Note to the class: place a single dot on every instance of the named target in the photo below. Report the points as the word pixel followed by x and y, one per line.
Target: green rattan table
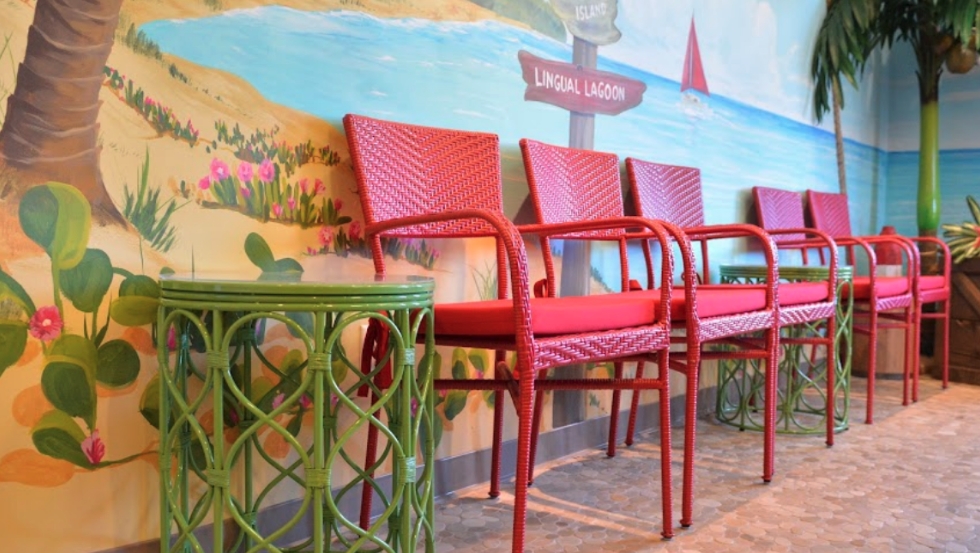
pixel 802 385
pixel 272 445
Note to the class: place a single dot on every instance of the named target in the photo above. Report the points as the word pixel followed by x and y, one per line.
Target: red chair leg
pixel 831 377
pixel 909 367
pixel 535 432
pixel 916 360
pixel 498 436
pixel 690 429
pixel 665 441
pixel 634 408
pixel 614 413
pixel 872 364
pixel 525 416
pixel 769 410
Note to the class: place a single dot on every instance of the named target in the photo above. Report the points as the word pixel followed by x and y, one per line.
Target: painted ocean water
pixel 466 75
pixel 959 173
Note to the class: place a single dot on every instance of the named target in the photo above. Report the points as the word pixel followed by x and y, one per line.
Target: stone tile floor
pixel 909 482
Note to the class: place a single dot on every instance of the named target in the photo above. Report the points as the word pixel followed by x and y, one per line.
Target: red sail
pixel 693 70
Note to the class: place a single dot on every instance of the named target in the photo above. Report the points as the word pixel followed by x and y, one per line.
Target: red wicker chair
pixel 566 186
pixel 569 184
pixel 673 193
pixel 427 182
pixel 876 298
pixel 780 213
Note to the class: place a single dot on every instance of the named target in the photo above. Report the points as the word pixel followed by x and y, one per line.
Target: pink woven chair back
pixel 829 213
pixel 404 170
pixel 569 185
pixel 670 193
pixel 779 209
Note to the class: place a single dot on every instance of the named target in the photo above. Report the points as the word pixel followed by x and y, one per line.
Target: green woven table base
pixel 230 413
pixel 802 381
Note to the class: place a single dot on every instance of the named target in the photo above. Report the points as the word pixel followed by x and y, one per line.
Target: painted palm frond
pixel 964 239
pixel 846 38
pixel 853 29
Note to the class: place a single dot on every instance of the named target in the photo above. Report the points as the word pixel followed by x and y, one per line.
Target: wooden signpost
pixel 584 91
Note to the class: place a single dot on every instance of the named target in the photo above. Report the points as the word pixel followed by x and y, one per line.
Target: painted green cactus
pixel 964 239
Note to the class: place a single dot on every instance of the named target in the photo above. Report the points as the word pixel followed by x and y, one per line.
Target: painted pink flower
pixel 246 193
pixel 311 251
pixel 205 182
pixel 267 171
pixel 318 187
pixel 46 323
pixel 291 202
pixel 277 401
pixel 415 406
pixel 148 102
pixel 337 204
pixel 219 169
pixel 277 210
pixel 304 185
pixel 354 231
pixel 305 401
pixel 325 236
pixel 171 339
pixel 93 447
pixel 245 171
pixel 232 417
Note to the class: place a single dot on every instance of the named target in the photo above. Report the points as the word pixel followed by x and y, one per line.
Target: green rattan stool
pixel 216 417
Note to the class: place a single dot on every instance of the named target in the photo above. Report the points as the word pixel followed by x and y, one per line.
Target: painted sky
pixel 745 55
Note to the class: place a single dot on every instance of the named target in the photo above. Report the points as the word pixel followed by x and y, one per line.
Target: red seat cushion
pixel 887 287
pixel 716 300
pixel 931 282
pixel 549 316
pixel 572 315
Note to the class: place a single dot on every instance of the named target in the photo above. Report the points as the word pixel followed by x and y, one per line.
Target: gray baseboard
pixel 462 471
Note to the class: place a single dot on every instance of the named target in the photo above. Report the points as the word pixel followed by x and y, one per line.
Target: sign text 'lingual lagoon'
pixel 578 89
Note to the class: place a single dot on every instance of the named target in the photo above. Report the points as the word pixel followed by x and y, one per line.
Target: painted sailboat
pixel 694 85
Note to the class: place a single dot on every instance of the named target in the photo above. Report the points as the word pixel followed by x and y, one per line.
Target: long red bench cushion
pixel 573 315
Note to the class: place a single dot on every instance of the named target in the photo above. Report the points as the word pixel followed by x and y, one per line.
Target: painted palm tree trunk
pixel 51 129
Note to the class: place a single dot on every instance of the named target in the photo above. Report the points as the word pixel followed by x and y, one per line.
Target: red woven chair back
pixel 670 193
pixel 404 170
pixel 829 213
pixel 778 209
pixel 570 185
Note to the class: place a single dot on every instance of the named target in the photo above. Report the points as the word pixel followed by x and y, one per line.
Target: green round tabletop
pixel 299 284
pixel 789 272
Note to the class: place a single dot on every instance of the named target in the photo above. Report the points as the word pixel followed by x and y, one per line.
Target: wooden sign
pixel 590 20
pixel 576 88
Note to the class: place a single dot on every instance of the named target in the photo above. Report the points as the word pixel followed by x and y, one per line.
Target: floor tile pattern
pixel 909 482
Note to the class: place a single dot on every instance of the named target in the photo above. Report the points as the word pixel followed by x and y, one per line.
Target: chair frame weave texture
pixel 780 213
pixel 672 193
pixel 427 182
pixel 829 212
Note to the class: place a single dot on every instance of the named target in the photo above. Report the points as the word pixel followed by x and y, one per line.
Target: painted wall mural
pixel 175 135
pixel 959 142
